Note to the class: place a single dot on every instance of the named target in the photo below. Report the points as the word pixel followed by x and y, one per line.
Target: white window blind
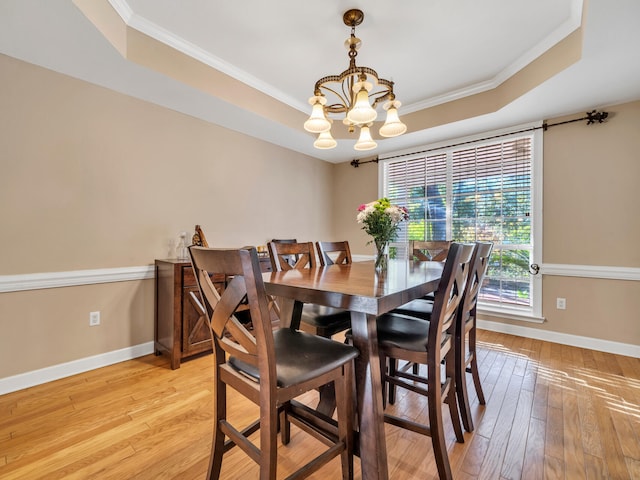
pixel 477 192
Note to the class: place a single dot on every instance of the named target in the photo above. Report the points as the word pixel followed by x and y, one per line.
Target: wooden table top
pixel 357 287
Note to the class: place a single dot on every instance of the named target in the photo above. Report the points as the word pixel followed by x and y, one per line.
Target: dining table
pixel 367 293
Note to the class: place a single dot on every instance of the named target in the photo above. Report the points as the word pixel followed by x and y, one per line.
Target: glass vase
pixel 382 255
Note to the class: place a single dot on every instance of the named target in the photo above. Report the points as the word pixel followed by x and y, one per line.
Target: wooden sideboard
pixel 180 330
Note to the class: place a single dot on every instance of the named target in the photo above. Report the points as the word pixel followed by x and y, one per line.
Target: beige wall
pixel 590 209
pixel 94 179
pixel 353 187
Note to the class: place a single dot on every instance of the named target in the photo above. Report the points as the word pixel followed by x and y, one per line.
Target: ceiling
pixel 440 54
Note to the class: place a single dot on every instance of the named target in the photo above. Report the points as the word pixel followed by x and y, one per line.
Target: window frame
pixel 532 313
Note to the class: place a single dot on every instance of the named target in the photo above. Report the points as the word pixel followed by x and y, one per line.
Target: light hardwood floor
pixel 552 412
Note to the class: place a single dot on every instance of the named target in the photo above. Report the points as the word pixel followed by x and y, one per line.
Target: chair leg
pixel 435 423
pixel 451 368
pixel 383 372
pixel 474 364
pixel 393 368
pixel 345 413
pixel 268 441
pixel 217 445
pixel 461 381
pixel 285 427
pixel 455 415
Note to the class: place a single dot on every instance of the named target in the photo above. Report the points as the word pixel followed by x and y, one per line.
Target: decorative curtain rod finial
pixel 355 163
pixel 594 116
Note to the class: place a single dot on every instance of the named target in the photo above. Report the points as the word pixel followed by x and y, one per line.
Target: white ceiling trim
pixel 166 37
pixel 565 29
pixel 123 9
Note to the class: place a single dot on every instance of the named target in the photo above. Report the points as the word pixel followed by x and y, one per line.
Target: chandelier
pixel 352 94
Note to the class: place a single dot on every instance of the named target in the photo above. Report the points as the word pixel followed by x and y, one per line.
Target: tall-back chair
pixel 421 251
pixel 265 366
pixel 430 343
pixel 429 250
pixel 330 253
pixel 466 360
pixel 291 259
pixel 318 319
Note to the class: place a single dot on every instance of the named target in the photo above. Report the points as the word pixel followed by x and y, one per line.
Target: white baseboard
pixel 562 338
pixel 55 372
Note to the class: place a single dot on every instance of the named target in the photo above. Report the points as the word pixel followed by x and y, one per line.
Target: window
pixel 477 191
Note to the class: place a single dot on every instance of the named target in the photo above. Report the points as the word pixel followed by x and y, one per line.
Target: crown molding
pixel 573 23
pixel 166 37
pixel 155 31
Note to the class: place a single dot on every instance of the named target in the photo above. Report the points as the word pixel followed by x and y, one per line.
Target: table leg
pixel 373 450
pixel 290 312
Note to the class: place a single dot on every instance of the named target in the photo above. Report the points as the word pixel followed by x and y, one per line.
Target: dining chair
pixel 292 259
pixel 465 342
pixel 318 319
pixel 466 356
pixel 429 250
pixel 429 343
pixel 330 253
pixel 265 367
pixel 421 251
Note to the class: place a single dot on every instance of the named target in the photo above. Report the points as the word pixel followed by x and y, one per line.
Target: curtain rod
pixel 592 117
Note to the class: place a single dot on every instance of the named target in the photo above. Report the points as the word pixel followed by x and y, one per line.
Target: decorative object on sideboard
pixel 181 249
pixel 198 238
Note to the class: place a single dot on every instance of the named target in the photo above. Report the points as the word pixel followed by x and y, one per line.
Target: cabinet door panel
pixel 196 333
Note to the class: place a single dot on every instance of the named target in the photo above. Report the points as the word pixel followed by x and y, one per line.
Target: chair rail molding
pixel 591 271
pixel 37 281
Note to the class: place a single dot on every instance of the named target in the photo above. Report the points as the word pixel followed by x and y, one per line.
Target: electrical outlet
pixel 561 303
pixel 94 319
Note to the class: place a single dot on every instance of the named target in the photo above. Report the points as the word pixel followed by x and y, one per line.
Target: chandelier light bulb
pixel 325 141
pixel 365 142
pixel 317 122
pixel 392 126
pixel 362 111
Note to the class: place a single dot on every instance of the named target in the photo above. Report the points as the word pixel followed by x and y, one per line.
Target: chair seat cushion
pixel 417 308
pixel 300 357
pixel 403 331
pixel 321 316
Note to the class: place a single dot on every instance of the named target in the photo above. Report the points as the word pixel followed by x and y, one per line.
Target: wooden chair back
pixel 465 352
pixel 434 251
pixel 281 253
pixel 244 286
pixel 476 274
pixel 449 296
pixel 330 253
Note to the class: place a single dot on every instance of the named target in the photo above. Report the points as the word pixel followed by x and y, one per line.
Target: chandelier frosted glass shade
pixel 365 142
pixel 353 95
pixel 392 127
pixel 318 121
pixel 362 112
pixel 325 141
